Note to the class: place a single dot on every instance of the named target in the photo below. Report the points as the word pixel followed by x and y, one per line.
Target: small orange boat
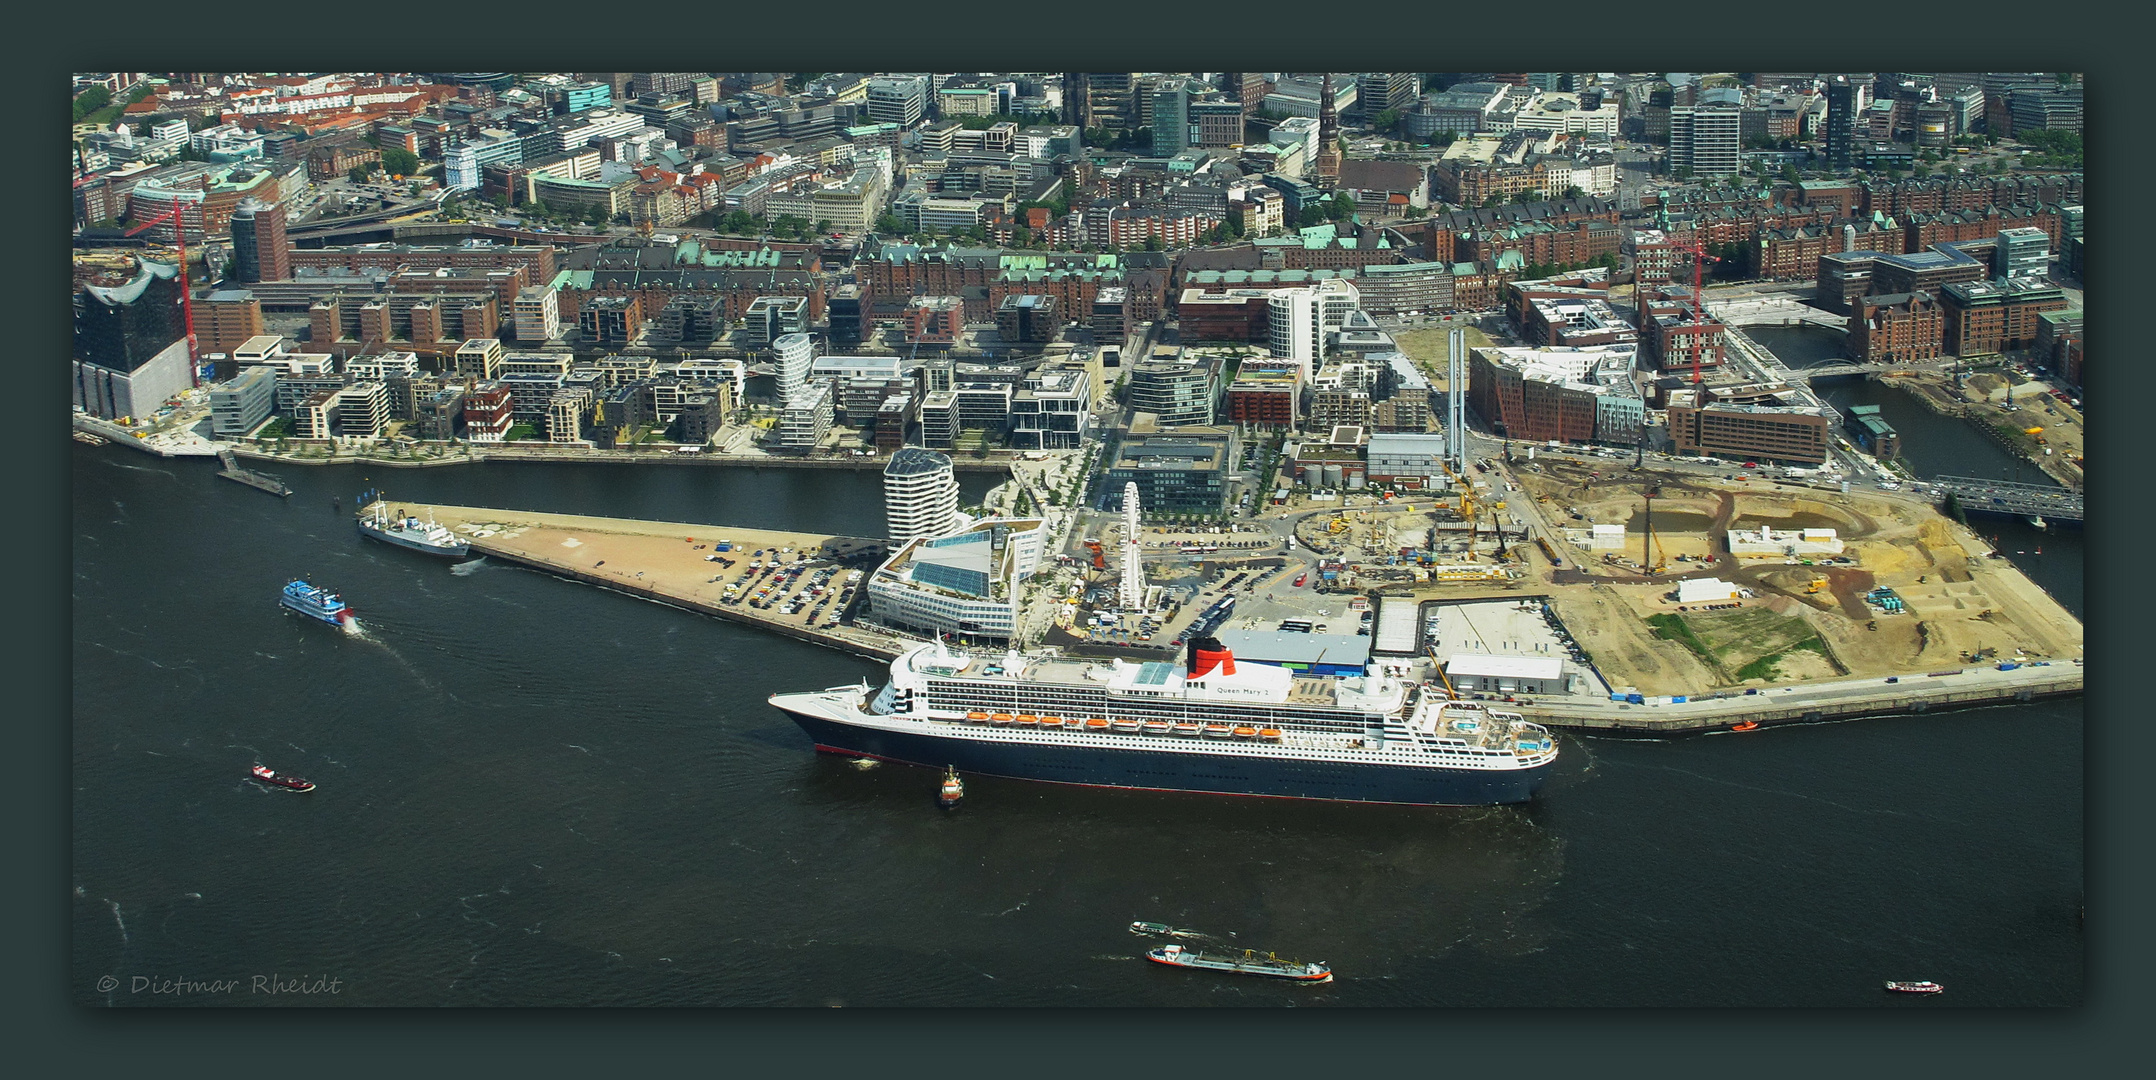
pixel 1246 732
pixel 1002 718
pixel 1028 720
pixel 1269 733
pixel 1748 725
pixel 1096 724
pixel 1051 721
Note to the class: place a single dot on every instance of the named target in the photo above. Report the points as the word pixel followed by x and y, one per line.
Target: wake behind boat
pixel 1249 963
pixel 407 531
pixel 316 603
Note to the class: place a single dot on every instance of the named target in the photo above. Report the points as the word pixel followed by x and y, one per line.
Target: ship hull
pixel 1157 768
pixel 334 618
pixel 407 543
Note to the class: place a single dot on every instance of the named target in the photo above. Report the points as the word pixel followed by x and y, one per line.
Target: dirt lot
pixel 1958 602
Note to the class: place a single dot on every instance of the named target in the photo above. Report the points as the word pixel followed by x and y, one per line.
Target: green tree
pixel 400 162
pixel 91 100
pixel 1385 121
pixel 1313 214
pixel 1021 236
pixel 888 224
pixel 1341 206
pixel 824 227
pixel 1572 191
pixel 358 173
pixel 1152 242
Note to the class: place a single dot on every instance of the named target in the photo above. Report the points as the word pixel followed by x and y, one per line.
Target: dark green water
pixel 535 792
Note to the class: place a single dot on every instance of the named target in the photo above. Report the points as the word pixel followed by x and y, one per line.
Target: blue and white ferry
pixel 316 602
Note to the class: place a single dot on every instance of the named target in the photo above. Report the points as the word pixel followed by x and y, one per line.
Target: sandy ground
pixel 1959 601
pixel 667 558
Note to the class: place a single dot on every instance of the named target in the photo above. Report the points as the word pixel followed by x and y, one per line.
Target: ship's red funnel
pixel 1206 654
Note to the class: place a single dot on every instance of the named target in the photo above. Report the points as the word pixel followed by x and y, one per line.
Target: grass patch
pixel 1674 628
pixel 1767 667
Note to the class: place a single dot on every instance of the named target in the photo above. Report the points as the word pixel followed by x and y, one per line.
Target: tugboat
pixel 1923 987
pixel 1250 963
pixel 409 532
pixel 952 791
pixel 316 602
pixel 289 783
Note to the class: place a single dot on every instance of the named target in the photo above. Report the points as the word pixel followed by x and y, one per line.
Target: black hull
pixel 1149 769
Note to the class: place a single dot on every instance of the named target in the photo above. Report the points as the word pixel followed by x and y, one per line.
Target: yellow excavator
pixel 1817 584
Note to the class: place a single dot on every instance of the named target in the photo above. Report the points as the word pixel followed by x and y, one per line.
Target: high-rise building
pixel 538 313
pixel 1705 139
pixel 902 101
pixel 1301 317
pixel 1841 120
pixel 131 348
pixel 796 353
pixel 920 496
pixel 1171 117
pixel 260 251
pixel 2023 253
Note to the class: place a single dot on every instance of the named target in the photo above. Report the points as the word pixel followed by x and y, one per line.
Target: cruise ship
pixel 1208 725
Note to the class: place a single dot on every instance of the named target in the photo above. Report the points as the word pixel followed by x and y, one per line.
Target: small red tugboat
pixel 290 783
pixel 953 789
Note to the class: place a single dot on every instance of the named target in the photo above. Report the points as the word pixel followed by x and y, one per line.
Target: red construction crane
pixel 1699 314
pixel 187 300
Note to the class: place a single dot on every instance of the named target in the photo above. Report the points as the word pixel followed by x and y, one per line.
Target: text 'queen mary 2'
pixel 1209 725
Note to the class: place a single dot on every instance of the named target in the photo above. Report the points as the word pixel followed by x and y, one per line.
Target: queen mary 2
pixel 1208 725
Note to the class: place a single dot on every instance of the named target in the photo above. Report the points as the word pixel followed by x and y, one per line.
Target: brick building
pixel 1983 317
pixel 1896 328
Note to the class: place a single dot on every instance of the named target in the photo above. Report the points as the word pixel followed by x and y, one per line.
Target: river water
pixel 533 792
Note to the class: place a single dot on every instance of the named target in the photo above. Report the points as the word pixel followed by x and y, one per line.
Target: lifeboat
pixel 1096 724
pixel 977 717
pixel 1246 733
pixel 1217 731
pixel 1051 721
pixel 1186 729
pixel 1002 719
pixel 1028 720
pixel 1748 725
pixel 1127 727
pixel 1156 727
pixel 1271 734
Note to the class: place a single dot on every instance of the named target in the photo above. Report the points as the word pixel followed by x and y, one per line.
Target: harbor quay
pixel 670 563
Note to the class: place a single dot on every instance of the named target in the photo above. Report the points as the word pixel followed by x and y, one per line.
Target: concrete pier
pixel 664 562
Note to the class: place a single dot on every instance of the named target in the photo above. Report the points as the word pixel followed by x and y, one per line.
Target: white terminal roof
pixel 1505 667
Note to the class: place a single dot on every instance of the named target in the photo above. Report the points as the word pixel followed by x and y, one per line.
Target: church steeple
pixel 1328 137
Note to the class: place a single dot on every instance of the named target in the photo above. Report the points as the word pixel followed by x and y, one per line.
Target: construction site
pixel 1680 585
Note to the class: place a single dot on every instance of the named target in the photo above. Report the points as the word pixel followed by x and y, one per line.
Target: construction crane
pixel 1699 312
pixel 187 301
pixel 1467 502
pixel 1650 548
pixel 1441 677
